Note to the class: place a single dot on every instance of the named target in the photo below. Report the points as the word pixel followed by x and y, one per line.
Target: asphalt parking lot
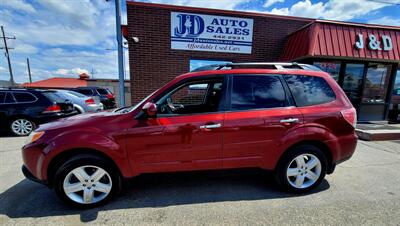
pixel 364 190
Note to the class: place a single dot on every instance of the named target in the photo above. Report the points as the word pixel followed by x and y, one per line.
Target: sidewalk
pixel 378 131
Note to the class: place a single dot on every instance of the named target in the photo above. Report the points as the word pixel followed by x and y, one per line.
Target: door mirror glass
pixel 150 109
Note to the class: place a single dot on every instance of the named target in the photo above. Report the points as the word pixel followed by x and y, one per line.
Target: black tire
pixel 14 120
pixel 283 164
pixel 86 160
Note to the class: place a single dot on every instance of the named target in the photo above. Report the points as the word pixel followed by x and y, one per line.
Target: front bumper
pixel 31 177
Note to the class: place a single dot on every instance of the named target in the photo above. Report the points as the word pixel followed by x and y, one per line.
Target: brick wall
pixel 153 63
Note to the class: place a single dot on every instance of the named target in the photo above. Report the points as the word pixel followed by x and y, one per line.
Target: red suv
pixel 285 117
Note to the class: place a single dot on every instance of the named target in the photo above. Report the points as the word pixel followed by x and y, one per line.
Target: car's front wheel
pixel 87 181
pixel 301 169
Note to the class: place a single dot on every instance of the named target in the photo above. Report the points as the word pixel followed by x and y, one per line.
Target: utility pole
pixel 29 70
pixel 92 73
pixel 120 55
pixel 8 55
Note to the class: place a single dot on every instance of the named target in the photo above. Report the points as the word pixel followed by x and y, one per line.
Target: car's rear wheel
pixel 87 181
pixel 301 169
pixel 21 126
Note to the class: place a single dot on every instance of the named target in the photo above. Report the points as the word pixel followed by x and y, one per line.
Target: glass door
pixel 375 92
pixel 352 83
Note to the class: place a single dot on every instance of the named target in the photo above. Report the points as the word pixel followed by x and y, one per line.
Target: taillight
pixel 350 115
pixel 110 95
pixel 53 109
pixel 89 101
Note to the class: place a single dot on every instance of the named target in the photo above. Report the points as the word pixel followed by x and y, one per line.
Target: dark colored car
pixel 21 110
pixel 107 98
pixel 286 117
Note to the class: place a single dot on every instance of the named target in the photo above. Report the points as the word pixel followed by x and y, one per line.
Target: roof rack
pixel 268 65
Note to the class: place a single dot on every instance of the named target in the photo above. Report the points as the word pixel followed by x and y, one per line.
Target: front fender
pixel 112 146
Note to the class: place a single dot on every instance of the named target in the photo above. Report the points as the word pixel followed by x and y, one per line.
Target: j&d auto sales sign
pixel 211 33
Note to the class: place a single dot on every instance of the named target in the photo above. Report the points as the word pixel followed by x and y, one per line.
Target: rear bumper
pixel 31 177
pixel 45 118
pixel 343 149
pixel 108 104
pixel 94 107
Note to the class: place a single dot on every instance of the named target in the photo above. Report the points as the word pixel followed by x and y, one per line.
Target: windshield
pixel 131 108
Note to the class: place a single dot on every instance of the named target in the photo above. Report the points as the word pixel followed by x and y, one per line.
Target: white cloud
pixel 71 12
pixel 25 48
pixel 70 72
pixel 269 3
pixel 333 9
pixel 386 21
pixel 19 5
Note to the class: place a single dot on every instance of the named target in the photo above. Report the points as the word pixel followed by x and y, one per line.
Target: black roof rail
pixel 264 65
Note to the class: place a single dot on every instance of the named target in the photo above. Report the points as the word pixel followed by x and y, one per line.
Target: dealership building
pixel 363 58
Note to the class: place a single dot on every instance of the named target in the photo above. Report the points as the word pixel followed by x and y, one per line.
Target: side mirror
pixel 150 109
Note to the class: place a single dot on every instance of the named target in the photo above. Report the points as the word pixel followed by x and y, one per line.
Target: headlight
pixel 34 136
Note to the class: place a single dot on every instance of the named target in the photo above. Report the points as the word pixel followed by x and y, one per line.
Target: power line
pixel 384 2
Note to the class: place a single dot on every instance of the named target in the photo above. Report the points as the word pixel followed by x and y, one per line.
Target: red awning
pixel 338 40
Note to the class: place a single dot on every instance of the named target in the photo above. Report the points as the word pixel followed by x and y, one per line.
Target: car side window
pixel 22 97
pixel 9 98
pixel 2 97
pixel 309 90
pixel 192 98
pixel 256 92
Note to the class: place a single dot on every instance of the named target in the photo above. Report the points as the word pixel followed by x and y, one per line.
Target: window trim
pixel 16 102
pixel 221 107
pixel 288 96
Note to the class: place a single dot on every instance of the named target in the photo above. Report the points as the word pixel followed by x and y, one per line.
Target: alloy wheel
pixel 87 184
pixel 22 127
pixel 303 171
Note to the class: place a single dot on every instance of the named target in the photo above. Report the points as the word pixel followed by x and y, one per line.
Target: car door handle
pixel 211 126
pixel 290 120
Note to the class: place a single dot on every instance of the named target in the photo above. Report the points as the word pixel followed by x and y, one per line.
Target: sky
pixel 63 38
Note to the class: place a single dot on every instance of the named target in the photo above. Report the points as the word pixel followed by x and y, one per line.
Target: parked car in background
pixel 81 102
pixel 285 117
pixel 21 110
pixel 106 97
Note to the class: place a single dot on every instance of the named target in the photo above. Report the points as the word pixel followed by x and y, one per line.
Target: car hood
pixel 80 120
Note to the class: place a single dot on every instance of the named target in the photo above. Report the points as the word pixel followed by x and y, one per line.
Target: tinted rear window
pixel 102 91
pixel 54 97
pixel 254 92
pixel 76 94
pixel 21 97
pixel 309 90
pixel 87 92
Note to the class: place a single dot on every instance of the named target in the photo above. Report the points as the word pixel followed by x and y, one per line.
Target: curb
pixel 378 135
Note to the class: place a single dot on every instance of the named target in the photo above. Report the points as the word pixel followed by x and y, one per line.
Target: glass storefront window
pixel 352 82
pixel 396 88
pixel 394 108
pixel 376 83
pixel 333 68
